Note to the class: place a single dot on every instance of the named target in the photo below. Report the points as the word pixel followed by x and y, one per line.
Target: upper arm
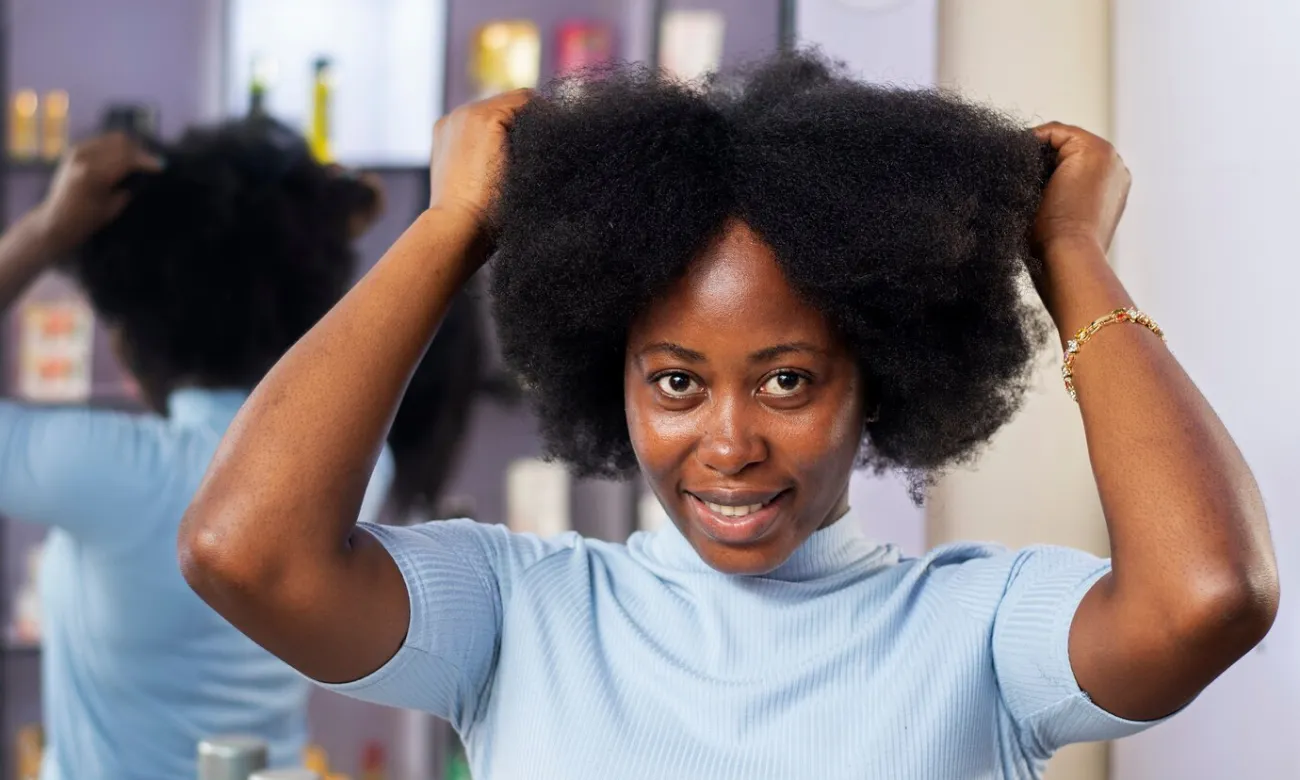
pixel 1033 651
pixel 458 576
pixel 82 470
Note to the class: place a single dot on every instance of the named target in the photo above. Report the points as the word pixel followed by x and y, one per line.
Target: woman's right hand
pixel 469 154
pixel 84 196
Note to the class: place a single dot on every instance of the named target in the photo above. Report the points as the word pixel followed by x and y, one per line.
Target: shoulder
pixel 982 577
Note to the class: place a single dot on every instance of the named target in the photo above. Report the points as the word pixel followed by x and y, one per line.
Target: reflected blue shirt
pixel 136 669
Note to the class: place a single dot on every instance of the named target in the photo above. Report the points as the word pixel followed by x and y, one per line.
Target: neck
pixel 838 511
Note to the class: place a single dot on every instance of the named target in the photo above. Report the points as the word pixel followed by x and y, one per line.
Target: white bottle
pixel 537 497
pixel 231 758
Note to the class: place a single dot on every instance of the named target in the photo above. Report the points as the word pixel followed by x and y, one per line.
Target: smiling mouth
pixel 734 522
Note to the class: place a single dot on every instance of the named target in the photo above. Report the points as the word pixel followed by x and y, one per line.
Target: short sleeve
pixel 1031 652
pixel 459 575
pixel 80 469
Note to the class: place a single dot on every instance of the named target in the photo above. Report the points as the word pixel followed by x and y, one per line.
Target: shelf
pixel 20 650
pixel 12 165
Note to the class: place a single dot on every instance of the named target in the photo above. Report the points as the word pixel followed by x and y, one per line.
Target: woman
pixel 206 262
pixel 742 291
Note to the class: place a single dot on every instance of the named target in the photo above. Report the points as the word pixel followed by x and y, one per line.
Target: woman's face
pixel 745 409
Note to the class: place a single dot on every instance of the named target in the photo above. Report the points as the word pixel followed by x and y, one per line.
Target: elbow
pixel 215 562
pixel 1233 612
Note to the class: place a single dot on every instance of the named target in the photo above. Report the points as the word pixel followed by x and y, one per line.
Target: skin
pixel 737 391
pixel 270 541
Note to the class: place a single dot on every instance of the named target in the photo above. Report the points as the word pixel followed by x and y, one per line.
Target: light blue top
pixel 136 669
pixel 574 659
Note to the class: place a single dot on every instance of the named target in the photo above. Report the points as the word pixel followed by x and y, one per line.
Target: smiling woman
pixel 741 290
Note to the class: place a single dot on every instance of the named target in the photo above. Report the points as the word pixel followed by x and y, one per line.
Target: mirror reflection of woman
pixel 206 262
pixel 741 293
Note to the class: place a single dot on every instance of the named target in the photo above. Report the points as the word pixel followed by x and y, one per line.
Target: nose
pixel 730 442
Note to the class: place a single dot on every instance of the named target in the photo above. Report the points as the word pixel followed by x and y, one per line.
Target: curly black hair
pixel 903 215
pixel 223 260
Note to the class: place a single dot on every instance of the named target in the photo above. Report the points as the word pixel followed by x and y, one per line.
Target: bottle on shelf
pixel 374 762
pixel 232 757
pixel 316 759
pixel 259 86
pixel 583 44
pixel 29 751
pixel 24 138
pixel 54 128
pixel 505 55
pixel 457 763
pixel 25 630
pixel 322 95
pixel 284 774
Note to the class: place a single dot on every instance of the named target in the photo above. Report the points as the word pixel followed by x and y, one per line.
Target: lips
pixel 736 517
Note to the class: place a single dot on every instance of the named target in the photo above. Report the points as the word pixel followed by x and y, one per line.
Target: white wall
pixel 1041 59
pixel 1207 109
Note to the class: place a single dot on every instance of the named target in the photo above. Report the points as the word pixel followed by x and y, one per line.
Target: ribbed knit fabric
pixel 571 659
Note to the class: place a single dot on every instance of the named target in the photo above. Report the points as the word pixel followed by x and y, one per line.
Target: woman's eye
pixel 676 385
pixel 784 383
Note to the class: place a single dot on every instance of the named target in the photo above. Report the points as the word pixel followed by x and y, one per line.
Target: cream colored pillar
pixel 1040 60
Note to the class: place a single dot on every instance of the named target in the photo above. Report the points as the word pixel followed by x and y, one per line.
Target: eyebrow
pixel 765 355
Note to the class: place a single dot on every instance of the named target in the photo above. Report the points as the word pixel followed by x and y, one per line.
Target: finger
pixel 148 162
pixel 1058 134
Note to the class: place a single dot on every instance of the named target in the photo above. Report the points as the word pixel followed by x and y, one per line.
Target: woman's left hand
pixel 1085 198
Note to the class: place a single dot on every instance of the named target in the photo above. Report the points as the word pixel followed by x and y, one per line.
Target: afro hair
pixel 903 215
pixel 224 259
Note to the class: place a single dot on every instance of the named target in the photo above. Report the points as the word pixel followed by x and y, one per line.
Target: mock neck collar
pixel 828 551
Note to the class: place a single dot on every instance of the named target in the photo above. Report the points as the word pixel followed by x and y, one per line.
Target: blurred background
pixel 1200 97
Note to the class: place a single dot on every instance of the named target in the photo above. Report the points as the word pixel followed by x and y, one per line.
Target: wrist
pixel 463 230
pixel 1079 284
pixel 39 237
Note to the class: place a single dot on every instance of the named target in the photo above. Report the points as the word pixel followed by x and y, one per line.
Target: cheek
pixel 660 440
pixel 824 445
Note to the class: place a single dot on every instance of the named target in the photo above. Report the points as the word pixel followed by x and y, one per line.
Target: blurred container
pixel 232 758
pixel 583 44
pixel 29 751
pixel 24 137
pixel 285 774
pixel 137 120
pixel 54 130
pixel 506 55
pixel 320 134
pixel 690 42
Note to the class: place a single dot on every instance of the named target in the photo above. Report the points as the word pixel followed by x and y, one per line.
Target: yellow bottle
pixel 322 94
pixel 24 143
pixel 316 759
pixel 30 745
pixel 54 130
pixel 506 55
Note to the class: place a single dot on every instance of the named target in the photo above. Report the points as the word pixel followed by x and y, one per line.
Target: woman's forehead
pixel 734 292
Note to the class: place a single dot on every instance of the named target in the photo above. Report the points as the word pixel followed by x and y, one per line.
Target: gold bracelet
pixel 1073 346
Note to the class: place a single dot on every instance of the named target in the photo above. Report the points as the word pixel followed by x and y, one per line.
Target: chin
pixel 750 561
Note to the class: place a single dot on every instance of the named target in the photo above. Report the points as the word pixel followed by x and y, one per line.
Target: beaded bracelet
pixel 1073 346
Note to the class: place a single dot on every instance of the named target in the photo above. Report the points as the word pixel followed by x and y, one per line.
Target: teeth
pixel 733 511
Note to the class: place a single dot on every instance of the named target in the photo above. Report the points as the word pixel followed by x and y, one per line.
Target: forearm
pixel 1180 502
pixel 24 254
pixel 1194 577
pixel 292 470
